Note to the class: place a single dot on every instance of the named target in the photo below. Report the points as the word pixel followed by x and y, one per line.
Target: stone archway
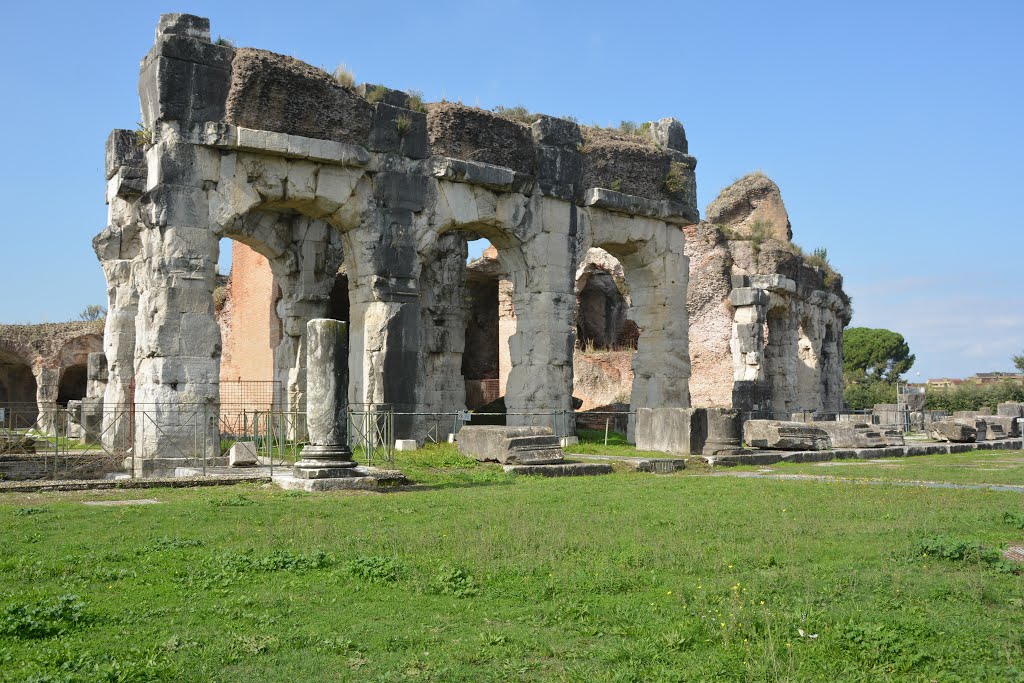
pixel 17 391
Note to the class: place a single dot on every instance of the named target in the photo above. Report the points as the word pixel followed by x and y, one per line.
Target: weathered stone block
pixel 374 93
pixel 949 429
pixel 397 130
pixel 1010 425
pixel 510 445
pixel 669 133
pixel 748 296
pixel 548 130
pixel 851 435
pixel 123 149
pixel 405 444
pixel 1010 409
pixel 785 436
pixel 184 79
pixel 671 430
pixel 724 432
pixel 242 454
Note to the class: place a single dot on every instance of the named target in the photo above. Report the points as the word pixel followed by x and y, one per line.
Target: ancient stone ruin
pixel 358 204
pixel 43 367
pixel 316 177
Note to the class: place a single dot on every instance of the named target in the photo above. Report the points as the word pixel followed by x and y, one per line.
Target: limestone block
pixel 405 444
pixel 785 436
pixel 669 133
pixel 397 130
pixel 1010 409
pixel 242 454
pixel 671 430
pixel 1009 425
pixel 724 432
pixel 510 445
pixel 851 435
pixel 549 130
pixel 949 429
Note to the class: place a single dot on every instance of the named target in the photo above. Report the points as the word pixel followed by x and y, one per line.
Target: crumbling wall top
pixel 41 345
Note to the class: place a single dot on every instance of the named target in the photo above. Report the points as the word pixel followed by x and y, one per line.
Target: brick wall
pixel 250 328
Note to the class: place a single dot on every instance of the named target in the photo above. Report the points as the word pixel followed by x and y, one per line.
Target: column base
pixel 326 462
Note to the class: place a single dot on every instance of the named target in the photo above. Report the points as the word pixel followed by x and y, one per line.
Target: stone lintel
pixel 619 202
pixel 477 173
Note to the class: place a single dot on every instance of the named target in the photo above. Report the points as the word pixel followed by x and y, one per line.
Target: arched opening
pixel 73 384
pixel 606 339
pixel 17 391
pixel 481 356
pixel 246 298
pixel 481 305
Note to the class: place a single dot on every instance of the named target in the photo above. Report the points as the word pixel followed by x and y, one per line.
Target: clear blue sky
pixel 893 128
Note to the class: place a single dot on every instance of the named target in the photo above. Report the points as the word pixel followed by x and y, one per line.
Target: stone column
pixel 328 454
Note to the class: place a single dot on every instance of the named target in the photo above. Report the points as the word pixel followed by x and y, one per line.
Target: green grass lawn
pixel 475 575
pixel 976 467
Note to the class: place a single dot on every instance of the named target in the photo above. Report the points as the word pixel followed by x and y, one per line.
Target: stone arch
pixel 305 255
pixel 17 390
pixel 657 273
pixel 601 308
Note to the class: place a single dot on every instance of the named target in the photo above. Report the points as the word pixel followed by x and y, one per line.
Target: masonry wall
pixel 250 326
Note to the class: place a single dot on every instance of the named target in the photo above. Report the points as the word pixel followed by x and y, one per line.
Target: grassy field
pixel 475 575
pixel 978 467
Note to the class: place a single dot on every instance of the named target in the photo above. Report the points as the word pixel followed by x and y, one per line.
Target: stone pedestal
pixel 328 454
pixel 724 432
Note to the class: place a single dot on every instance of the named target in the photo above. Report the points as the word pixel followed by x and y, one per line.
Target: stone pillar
pixel 506 328
pixel 750 389
pixel 328 454
pixel 540 380
pixel 47 388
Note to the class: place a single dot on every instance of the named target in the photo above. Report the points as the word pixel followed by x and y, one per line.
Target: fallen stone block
pixel 565 469
pixel 656 465
pixel 671 430
pixel 510 445
pixel 1010 409
pixel 851 434
pixel 948 429
pixel 785 436
pixel 1010 426
pixel 405 444
pixel 242 454
pixel 892 437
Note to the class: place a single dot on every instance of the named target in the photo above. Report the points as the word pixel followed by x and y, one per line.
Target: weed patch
pixel 959 550
pixel 376 569
pixel 44 618
pixel 453 581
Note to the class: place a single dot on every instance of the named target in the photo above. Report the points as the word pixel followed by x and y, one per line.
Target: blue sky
pixel 893 129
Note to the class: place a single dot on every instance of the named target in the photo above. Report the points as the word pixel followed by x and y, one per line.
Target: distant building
pixel 996 377
pixel 943 383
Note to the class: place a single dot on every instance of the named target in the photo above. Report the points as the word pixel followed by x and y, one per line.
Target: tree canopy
pixel 1018 362
pixel 875 354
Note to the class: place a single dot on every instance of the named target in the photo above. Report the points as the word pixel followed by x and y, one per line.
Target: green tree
pixel 1018 362
pixel 93 312
pixel 875 354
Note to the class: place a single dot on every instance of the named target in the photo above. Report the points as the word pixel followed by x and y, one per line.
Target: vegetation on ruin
pixel 344 76
pixel 517 113
pixel 676 180
pixel 224 42
pixel 92 313
pixel 478 575
pixel 143 135
pixel 416 100
pixel 402 125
